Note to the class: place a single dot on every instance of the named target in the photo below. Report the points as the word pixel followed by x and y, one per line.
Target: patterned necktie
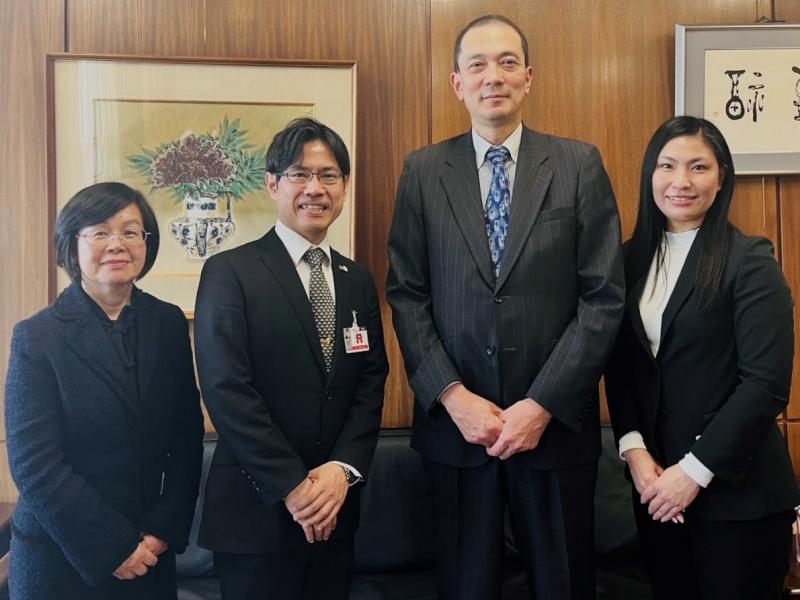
pixel 321 303
pixel 498 205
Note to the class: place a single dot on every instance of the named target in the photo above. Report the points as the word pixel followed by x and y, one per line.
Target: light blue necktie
pixel 498 205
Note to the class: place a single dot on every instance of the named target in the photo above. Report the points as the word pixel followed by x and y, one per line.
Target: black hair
pixel 286 148
pixel 91 206
pixel 715 231
pixel 485 20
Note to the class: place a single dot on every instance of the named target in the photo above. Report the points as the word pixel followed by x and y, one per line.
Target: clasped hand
pixel 142 558
pixel 315 502
pixel 502 432
pixel 667 492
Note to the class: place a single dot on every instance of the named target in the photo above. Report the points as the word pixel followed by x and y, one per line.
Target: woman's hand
pixel 670 494
pixel 643 467
pixel 137 563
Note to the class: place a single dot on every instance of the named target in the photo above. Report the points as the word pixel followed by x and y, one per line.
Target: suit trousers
pixel 307 572
pixel 552 521
pixel 715 560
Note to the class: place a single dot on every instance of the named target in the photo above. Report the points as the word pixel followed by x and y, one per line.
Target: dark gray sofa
pixel 394 547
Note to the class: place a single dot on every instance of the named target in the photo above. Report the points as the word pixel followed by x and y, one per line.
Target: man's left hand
pixel 524 423
pixel 329 492
pixel 670 494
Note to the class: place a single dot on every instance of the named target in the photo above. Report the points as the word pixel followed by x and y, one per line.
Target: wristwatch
pixel 349 475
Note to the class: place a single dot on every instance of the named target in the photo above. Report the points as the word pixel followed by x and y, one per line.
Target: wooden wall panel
pixel 790 254
pixel 389 41
pixel 793 440
pixel 28 29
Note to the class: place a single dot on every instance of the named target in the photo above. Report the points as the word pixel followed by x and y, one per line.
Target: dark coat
pixel 277 412
pixel 542 329
pixel 720 379
pixel 94 465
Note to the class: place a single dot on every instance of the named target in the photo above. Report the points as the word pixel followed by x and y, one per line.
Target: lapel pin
pixel 343 268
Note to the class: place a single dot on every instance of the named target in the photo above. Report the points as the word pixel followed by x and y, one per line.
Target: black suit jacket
pixel 543 328
pixel 717 384
pixel 94 464
pixel 264 383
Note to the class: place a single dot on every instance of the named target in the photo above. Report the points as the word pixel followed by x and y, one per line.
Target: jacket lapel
pixel 683 287
pixel 345 303
pixel 148 332
pixel 531 182
pixel 91 344
pixel 277 260
pixel 636 317
pixel 462 188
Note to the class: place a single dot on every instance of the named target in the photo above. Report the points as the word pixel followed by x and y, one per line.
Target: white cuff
pixel 629 441
pixel 692 466
pixel 350 468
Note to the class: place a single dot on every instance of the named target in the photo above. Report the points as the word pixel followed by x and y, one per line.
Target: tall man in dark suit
pixel 507 291
pixel 292 369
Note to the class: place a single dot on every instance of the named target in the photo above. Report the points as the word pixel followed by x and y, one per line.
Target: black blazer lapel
pixel 683 287
pixel 91 344
pixel 636 317
pixel 148 331
pixel 462 188
pixel 345 304
pixel 278 261
pixel 531 182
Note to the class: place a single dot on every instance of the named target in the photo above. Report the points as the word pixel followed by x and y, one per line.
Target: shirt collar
pixel 482 146
pixel 297 245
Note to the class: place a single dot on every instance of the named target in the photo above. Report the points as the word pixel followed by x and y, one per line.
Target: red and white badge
pixel 355 337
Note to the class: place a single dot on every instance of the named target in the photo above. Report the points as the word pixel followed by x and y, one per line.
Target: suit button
pixel 490 350
pixel 498 299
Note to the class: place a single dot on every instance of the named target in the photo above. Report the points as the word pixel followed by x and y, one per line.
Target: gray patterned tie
pixel 321 303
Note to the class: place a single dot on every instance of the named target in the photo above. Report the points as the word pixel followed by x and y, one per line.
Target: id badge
pixel 355 337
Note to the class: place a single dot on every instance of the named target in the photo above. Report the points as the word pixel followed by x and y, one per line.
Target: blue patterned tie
pixel 498 205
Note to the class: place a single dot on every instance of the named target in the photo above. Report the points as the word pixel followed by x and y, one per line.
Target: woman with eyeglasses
pixel 103 419
pixel 701 369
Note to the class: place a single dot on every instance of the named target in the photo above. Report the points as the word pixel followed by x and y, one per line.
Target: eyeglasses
pixel 101 239
pixel 304 177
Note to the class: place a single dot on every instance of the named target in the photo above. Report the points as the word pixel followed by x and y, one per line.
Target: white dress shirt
pixel 485 167
pixel 296 245
pixel 654 300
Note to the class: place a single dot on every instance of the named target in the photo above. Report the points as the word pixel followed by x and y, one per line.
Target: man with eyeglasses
pixel 292 368
pixel 506 289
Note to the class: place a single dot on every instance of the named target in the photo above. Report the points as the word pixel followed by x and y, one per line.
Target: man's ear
pixel 272 184
pixel 455 83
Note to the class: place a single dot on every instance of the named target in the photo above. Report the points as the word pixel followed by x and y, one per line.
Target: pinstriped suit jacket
pixel 543 328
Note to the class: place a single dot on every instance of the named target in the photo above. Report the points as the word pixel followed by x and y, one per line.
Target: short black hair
pixel 485 20
pixel 91 206
pixel 286 148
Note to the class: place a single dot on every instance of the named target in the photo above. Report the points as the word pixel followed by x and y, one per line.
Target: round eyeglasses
pixel 303 177
pixel 129 237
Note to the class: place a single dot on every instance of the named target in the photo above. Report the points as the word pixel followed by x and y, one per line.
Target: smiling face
pixel 115 265
pixel 492 80
pixel 309 208
pixel 686 180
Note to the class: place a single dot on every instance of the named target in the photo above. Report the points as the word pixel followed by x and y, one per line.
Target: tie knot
pixel 313 257
pixel 498 156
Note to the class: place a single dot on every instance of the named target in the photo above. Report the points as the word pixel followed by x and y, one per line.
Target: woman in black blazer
pixel 701 369
pixel 103 418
